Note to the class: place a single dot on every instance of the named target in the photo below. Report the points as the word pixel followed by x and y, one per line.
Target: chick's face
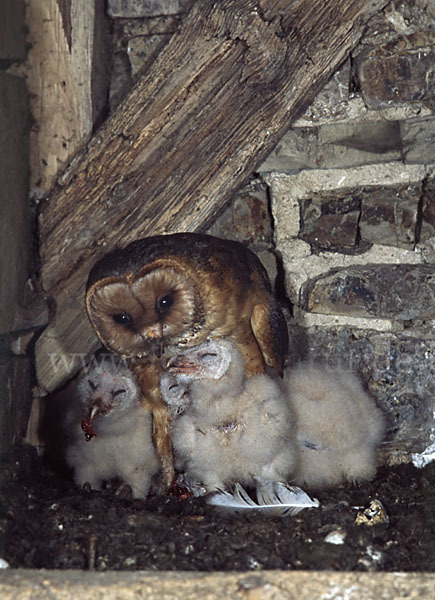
pixel 137 317
pixel 106 392
pixel 209 360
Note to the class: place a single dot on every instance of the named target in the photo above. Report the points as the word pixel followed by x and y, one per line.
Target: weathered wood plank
pixel 216 101
pixel 58 72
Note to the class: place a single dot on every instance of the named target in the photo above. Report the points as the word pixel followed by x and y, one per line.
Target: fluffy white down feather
pixel 233 429
pixel 123 445
pixel 338 426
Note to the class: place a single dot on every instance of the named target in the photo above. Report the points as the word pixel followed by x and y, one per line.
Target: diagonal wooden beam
pixel 212 106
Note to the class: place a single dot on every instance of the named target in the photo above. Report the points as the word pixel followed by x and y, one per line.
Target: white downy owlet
pixel 112 434
pixel 232 428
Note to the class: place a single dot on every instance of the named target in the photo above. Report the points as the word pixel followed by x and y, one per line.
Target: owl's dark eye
pixel 122 319
pixel 164 303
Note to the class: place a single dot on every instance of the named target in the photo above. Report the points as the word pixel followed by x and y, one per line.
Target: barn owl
pixel 338 426
pixel 111 431
pixel 167 292
pixel 231 428
pixel 182 289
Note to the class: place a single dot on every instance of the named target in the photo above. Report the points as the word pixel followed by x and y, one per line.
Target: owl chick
pixel 338 426
pixel 178 291
pixel 233 429
pixel 114 437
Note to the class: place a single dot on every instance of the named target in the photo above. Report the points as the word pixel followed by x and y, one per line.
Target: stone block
pixel 361 142
pixel 142 50
pixel 333 102
pixel 427 226
pixel 330 222
pixel 418 139
pixel 121 80
pixel 410 16
pixel 297 149
pixel 401 292
pixel 399 72
pixel 127 9
pixel 351 220
pixel 389 215
pixel 299 261
pixel 336 145
pixel 247 219
pixel 136 43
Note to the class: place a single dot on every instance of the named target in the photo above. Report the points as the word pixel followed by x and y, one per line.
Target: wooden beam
pixel 212 106
pixel 58 73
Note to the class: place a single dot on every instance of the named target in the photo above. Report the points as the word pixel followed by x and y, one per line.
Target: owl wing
pixel 270 331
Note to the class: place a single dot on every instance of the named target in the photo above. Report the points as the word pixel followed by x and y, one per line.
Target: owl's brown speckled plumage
pixel 167 292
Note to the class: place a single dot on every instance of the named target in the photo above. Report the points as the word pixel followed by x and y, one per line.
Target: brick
pixel 247 219
pixel 330 223
pixel 418 139
pixel 399 72
pixel 336 145
pixel 389 215
pixel 402 292
pixel 142 50
pixel 427 229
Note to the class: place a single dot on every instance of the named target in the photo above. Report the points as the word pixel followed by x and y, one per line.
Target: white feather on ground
pixel 234 429
pixel 273 500
pixel 108 398
pixel 338 426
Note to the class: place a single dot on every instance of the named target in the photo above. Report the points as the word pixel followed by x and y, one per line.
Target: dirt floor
pixel 51 524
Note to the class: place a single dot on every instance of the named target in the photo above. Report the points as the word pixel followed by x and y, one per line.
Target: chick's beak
pixel 181 364
pixel 94 411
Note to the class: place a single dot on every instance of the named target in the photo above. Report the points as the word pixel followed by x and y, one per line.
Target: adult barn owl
pixel 178 291
pixel 182 289
pixel 111 431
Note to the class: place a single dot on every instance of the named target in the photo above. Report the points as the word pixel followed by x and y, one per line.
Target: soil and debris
pixel 52 524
